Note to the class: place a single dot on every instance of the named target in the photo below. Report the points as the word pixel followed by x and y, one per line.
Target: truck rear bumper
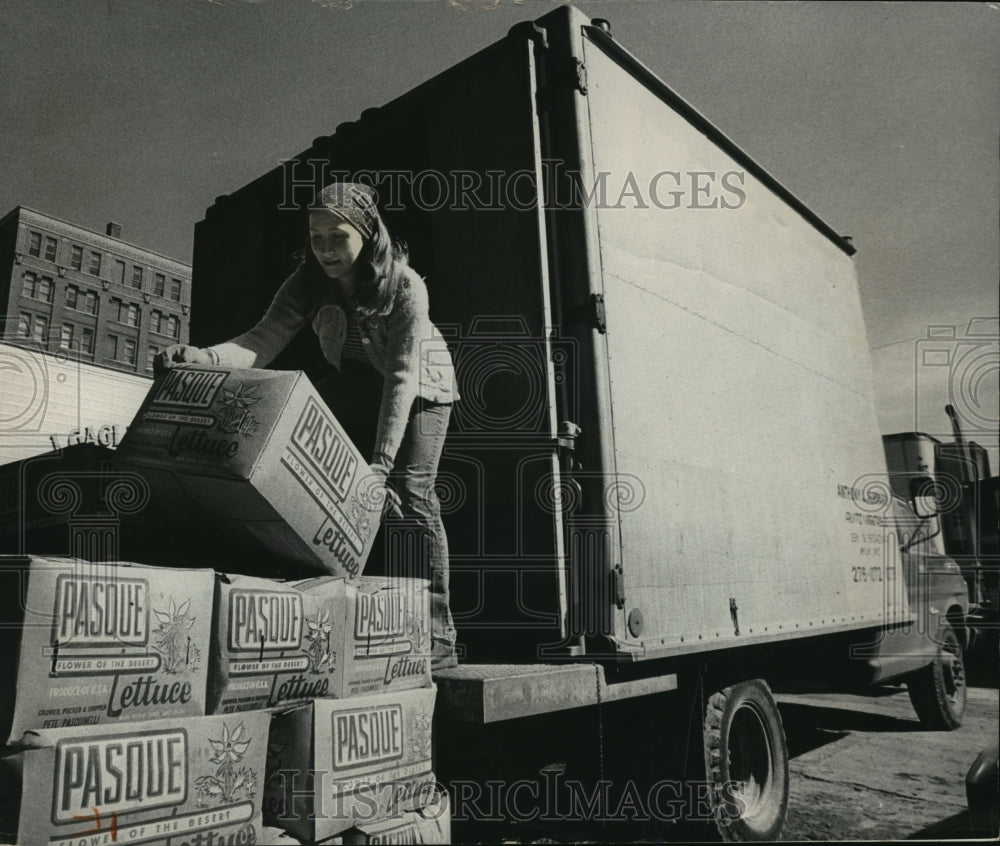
pixel 490 693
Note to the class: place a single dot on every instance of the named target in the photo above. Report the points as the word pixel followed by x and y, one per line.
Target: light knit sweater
pixel 404 346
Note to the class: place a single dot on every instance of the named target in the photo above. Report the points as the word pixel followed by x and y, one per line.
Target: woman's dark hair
pixel 382 266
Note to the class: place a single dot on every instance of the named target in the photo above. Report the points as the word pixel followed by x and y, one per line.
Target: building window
pixel 87 341
pixel 175 290
pixel 113 346
pixel 81 300
pixel 137 277
pixel 66 336
pixel 37 289
pixel 122 312
pixel 119 274
pixel 150 356
pixel 50 248
pixel 34 244
pixel 76 257
pixel 34 326
pixel 130 351
pixel 94 268
pixel 45 289
pixel 164 324
pixel 159 284
pixel 40 328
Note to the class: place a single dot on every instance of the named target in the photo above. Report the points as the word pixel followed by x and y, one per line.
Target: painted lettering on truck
pixel 101 612
pixel 262 620
pixel 367 736
pixel 327 451
pixel 118 774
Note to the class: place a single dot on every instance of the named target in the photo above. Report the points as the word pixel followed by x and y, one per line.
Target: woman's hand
pixel 180 354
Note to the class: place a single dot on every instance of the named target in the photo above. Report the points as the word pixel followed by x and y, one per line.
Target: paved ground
pixel 862 769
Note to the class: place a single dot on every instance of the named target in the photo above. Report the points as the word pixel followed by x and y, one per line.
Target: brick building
pixel 66 288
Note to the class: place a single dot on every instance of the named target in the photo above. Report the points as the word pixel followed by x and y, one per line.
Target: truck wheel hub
pixel 750 761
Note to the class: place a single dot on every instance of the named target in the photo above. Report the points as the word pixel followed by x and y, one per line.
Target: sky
pixel 881 117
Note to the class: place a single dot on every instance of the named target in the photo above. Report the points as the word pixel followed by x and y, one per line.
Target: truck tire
pixel 938 691
pixel 746 762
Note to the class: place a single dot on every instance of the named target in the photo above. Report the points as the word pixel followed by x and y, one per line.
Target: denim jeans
pixel 416 546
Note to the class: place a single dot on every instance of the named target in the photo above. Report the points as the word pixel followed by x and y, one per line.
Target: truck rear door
pixel 738 455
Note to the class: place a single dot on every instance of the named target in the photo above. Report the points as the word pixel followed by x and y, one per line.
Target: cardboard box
pixel 277 643
pixel 260 452
pixel 339 763
pixel 431 824
pixel 388 635
pixel 274 645
pixel 273 836
pixel 85 644
pixel 189 782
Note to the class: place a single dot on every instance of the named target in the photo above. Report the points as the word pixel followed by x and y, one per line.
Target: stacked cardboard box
pixel 357 750
pixel 274 645
pixel 88 644
pixel 113 643
pixel 430 824
pixel 277 643
pixel 259 452
pixel 105 670
pixel 189 781
pixel 335 764
pixel 338 671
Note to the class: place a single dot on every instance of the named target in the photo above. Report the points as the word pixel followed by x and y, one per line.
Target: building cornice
pixel 105 243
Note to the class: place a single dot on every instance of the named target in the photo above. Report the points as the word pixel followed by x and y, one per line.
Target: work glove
pixel 180 354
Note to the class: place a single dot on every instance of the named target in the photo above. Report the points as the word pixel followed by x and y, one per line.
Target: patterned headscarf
pixel 353 202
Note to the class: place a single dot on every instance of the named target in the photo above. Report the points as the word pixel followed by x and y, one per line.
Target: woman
pixel 369 309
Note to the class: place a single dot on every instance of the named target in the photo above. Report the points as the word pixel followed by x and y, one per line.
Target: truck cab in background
pixel 952 485
pixel 937 597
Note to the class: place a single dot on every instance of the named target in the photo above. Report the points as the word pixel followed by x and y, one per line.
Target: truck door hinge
pixel 575 74
pixel 598 314
pixel 734 612
pixel 569 75
pixel 618 586
pixel 568 433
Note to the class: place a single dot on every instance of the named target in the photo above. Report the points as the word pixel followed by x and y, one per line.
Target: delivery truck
pixel 664 481
pixel 956 475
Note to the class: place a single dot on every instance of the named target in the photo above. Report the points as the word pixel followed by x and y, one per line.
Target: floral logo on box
pixel 419 741
pixel 235 417
pixel 318 639
pixel 229 784
pixel 171 639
